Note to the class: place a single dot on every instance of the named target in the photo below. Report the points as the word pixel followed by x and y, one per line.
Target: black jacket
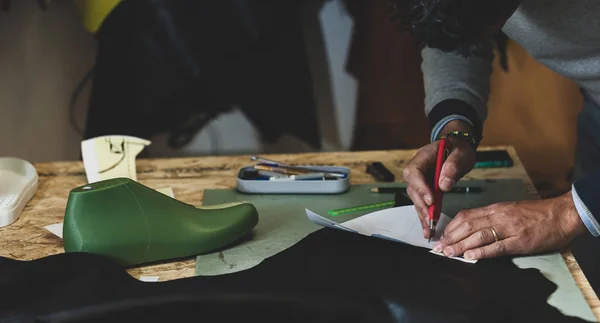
pixel 172 66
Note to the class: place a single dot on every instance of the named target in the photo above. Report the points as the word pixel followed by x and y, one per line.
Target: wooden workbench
pixel 27 239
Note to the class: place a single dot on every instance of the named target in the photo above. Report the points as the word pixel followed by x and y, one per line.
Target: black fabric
pixel 459 107
pixel 172 66
pixel 329 276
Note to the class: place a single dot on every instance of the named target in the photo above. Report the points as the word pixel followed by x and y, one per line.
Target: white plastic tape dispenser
pixel 18 185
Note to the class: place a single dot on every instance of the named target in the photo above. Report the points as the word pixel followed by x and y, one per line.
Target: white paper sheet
pixel 399 224
pixel 56 229
pixel 168 191
pixel 455 258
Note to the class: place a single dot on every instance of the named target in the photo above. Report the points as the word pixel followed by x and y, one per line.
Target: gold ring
pixel 495 234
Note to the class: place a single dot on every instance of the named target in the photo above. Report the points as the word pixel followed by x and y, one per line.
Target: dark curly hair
pixel 452 25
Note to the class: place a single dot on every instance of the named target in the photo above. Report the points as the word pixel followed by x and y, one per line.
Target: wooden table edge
pixel 574 268
pixel 580 279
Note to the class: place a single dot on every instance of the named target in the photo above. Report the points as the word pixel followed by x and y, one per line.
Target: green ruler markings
pixel 361 208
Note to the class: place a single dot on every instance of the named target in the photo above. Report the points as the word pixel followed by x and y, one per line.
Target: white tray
pixel 296 187
pixel 18 184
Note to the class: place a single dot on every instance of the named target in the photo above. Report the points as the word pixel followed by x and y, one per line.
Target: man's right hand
pixel 420 171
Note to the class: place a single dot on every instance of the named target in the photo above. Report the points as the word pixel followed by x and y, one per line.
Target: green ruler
pixel 360 208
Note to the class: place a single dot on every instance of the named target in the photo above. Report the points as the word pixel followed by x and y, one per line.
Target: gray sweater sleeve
pixel 449 76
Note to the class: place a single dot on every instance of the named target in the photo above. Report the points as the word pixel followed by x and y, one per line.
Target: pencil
pixel 464 189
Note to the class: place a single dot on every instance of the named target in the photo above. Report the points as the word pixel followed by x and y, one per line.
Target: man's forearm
pixel 456 87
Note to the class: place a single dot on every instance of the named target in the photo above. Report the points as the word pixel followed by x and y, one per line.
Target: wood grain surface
pixel 27 239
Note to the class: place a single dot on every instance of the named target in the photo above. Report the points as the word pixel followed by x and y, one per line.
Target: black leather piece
pixel 329 276
pixel 172 66
pixel 79 287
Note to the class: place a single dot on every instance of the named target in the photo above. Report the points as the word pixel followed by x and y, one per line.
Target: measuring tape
pixel 367 207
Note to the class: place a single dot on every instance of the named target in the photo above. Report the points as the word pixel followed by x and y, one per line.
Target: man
pixel 457 36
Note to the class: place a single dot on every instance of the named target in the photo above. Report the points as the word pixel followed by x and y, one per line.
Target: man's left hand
pixel 512 228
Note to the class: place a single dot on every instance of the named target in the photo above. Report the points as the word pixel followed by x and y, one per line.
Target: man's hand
pixel 419 172
pixel 522 228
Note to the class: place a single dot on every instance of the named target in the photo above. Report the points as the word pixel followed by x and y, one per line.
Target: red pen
pixel 436 208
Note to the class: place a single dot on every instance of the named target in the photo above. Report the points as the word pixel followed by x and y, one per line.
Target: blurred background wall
pixel 44 55
pixel 366 78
